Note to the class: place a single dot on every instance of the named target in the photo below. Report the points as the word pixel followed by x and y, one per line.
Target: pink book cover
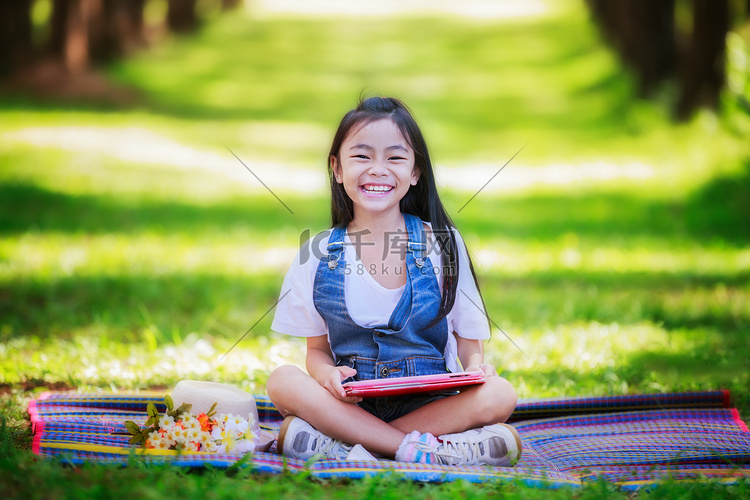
pixel 397 386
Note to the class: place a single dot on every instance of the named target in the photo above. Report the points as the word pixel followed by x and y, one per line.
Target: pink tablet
pixel 397 386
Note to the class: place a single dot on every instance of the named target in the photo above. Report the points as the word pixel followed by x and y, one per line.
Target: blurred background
pixel 136 250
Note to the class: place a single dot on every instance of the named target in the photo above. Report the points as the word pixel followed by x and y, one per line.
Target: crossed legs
pixel 294 392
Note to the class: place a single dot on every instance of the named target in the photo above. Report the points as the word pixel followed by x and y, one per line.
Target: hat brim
pixel 266 440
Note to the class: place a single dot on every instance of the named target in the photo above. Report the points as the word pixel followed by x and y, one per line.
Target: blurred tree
pixel 703 70
pixel 86 31
pixel 117 29
pixel 15 35
pixel 231 4
pixel 83 32
pixel 181 16
pixel 69 39
pixel 644 34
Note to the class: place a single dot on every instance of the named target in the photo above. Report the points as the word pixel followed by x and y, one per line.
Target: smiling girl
pixel 389 291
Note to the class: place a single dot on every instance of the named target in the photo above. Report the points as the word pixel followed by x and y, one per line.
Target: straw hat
pixel 229 399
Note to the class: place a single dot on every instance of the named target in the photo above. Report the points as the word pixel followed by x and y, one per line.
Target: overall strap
pixel 335 247
pixel 416 245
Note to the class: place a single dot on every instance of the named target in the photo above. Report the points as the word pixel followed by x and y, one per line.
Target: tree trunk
pixel 70 27
pixel 233 4
pixel 58 25
pixel 643 33
pixel 15 35
pixel 181 16
pixel 117 30
pixel 656 58
pixel 703 67
pixel 76 45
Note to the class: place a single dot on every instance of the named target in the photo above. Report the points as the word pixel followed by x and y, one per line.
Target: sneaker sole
pixel 517 436
pixel 282 434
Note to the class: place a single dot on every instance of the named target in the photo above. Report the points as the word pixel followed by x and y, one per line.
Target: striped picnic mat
pixel 633 440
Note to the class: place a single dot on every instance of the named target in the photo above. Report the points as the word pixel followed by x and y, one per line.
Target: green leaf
pixel 246 459
pixel 132 427
pixel 315 458
pixel 134 440
pixel 152 421
pixel 152 411
pixel 184 408
pixel 212 411
pixel 168 401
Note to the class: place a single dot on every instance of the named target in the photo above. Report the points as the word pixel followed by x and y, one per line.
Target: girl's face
pixel 376 167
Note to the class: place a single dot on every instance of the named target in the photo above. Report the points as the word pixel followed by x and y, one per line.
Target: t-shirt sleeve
pixel 295 312
pixel 467 318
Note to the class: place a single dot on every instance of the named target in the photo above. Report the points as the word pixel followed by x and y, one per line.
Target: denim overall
pixel 401 348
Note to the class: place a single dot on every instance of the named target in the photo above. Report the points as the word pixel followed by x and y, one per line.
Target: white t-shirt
pixel 368 302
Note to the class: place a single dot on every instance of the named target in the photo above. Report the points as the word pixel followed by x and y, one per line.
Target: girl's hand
pixel 332 382
pixel 487 369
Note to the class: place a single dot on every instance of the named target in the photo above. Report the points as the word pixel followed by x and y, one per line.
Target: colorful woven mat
pixel 632 441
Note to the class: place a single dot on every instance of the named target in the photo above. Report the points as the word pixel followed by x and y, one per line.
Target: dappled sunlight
pixel 58 255
pixel 583 347
pixel 89 361
pixel 141 146
pixel 579 358
pixel 480 9
pixel 137 145
pixel 518 258
pixel 53 254
pixel 518 177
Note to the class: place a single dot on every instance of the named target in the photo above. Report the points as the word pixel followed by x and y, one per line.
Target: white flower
pixel 229 427
pixel 240 424
pixel 191 446
pixel 245 445
pixel 193 434
pixel 229 442
pixel 177 434
pixel 153 439
pixel 191 423
pixel 162 444
pixel 166 421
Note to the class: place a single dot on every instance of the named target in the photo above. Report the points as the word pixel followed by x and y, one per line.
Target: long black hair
pixel 421 200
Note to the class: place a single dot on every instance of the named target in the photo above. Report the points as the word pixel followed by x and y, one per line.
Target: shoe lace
pixel 465 451
pixel 329 448
pixel 446 455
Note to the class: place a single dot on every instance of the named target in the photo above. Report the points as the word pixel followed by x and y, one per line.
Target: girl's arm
pixel 321 367
pixel 471 355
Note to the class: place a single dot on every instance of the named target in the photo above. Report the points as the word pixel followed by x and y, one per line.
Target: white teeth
pixel 377 189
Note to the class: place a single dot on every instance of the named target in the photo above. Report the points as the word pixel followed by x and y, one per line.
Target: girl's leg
pixel 475 406
pixel 294 392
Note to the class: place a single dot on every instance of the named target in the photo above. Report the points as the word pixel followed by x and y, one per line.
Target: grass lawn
pixel 135 250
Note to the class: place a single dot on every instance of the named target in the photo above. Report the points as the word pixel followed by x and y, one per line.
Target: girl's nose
pixel 378 167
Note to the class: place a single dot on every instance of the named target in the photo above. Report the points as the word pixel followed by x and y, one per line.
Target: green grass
pixel 131 256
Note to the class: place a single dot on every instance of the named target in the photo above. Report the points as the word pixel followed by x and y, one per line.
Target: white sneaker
pixel 498 445
pixel 298 439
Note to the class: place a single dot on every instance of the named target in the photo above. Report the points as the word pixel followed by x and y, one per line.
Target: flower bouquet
pixel 177 429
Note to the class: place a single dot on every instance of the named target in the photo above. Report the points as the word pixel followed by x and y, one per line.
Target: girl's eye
pixel 396 158
pixel 363 157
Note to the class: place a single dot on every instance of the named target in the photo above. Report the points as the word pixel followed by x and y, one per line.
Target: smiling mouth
pixel 376 188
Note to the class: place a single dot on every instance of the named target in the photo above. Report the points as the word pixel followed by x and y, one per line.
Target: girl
pixel 386 293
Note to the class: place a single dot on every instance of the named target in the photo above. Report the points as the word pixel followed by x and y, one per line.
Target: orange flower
pixel 205 422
